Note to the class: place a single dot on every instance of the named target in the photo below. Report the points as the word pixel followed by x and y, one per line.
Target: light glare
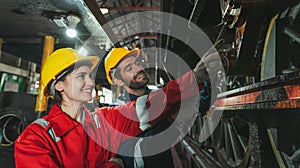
pixel 71 33
pixel 83 51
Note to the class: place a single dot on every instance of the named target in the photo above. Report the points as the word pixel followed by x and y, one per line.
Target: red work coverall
pixel 63 142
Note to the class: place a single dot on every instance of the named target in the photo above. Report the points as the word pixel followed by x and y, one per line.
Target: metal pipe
pixel 296 156
pixel 1 136
pixel 41 100
pixel 135 8
pixel 292 34
pixel 110 35
pixel 275 150
pixel 197 10
pixel 1 43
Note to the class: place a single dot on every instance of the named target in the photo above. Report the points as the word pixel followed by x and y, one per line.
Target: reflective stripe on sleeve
pixel 44 123
pixel 95 117
pixel 138 158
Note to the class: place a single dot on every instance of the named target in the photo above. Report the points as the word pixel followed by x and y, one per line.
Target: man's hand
pixel 210 63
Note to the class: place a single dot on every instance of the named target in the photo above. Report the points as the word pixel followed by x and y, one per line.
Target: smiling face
pixel 132 74
pixel 77 86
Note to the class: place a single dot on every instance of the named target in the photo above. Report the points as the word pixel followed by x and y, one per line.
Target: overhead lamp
pixel 72 21
pixel 104 10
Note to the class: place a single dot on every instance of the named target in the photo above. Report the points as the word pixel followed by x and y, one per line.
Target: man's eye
pixel 128 69
pixel 138 63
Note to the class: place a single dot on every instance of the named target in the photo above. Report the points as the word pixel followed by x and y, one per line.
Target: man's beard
pixel 134 84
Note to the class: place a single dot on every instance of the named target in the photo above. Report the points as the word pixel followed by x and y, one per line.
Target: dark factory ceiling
pixel 25 23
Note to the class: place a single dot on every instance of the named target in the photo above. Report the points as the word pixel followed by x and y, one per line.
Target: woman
pixel 71 136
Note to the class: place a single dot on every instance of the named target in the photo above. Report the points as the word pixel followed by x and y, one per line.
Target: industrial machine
pixel 259 122
pixel 257 110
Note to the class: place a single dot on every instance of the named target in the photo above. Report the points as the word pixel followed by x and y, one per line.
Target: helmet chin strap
pixel 52 90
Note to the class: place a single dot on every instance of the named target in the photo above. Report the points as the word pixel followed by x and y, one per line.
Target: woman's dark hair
pixel 57 98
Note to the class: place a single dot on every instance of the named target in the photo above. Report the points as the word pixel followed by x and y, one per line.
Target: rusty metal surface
pixel 280 92
pixel 262 106
pixel 280 80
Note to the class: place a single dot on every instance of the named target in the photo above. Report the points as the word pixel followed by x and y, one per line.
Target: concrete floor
pixel 7 158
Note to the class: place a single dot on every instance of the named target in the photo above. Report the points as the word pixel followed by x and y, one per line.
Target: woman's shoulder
pixel 34 131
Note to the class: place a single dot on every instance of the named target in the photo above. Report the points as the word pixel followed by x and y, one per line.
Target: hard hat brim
pixel 94 60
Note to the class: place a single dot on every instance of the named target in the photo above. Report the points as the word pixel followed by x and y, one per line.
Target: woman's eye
pixel 81 76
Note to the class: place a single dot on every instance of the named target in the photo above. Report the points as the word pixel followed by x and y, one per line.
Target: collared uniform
pixel 59 141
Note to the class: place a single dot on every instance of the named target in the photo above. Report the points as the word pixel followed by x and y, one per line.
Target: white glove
pixel 118 161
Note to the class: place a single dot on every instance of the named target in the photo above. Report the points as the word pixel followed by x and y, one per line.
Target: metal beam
pixel 141 37
pixel 134 8
pixel 93 6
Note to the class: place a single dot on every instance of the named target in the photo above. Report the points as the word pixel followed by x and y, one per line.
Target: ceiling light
pixel 104 10
pixel 71 32
pixel 72 21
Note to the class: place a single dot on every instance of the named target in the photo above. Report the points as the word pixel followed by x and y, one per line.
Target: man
pixel 123 69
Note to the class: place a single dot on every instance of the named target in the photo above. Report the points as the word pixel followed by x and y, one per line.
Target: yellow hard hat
pixel 114 57
pixel 59 61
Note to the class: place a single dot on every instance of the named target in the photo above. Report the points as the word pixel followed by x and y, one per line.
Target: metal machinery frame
pixel 259 124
